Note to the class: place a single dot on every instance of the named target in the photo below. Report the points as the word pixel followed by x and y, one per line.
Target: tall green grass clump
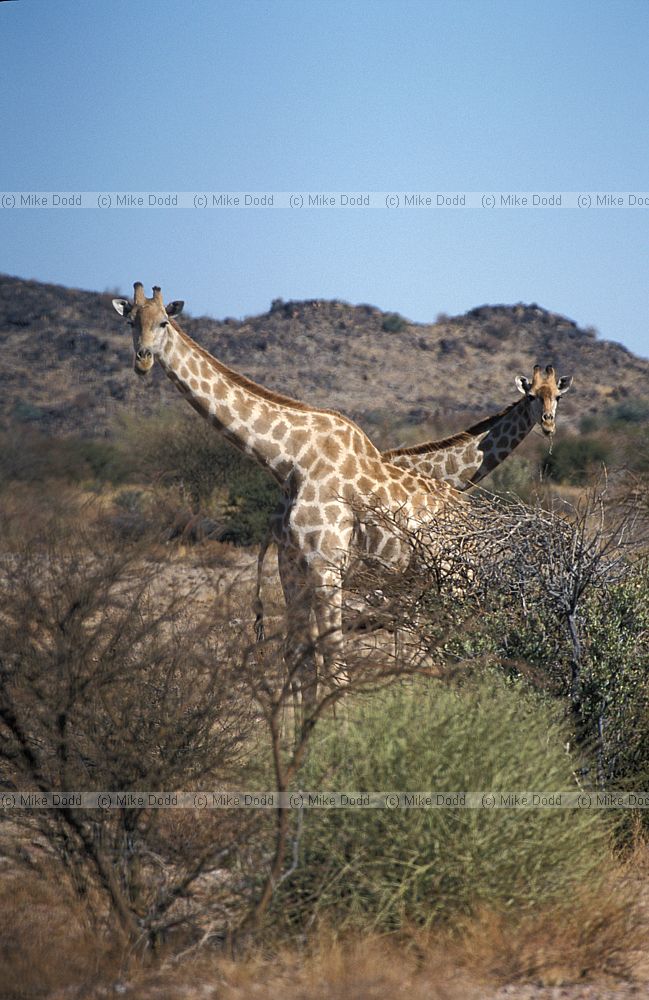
pixel 384 869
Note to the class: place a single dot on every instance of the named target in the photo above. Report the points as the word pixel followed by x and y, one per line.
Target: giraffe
pixel 329 471
pixel 463 459
pixel 468 456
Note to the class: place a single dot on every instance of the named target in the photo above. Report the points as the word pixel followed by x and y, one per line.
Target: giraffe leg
pixel 328 594
pixel 260 632
pixel 301 649
pixel 273 534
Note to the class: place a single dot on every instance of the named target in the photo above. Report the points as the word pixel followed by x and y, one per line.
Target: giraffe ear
pixel 523 384
pixel 174 308
pixel 564 384
pixel 122 306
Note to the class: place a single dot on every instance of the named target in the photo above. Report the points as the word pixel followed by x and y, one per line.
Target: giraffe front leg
pixel 328 595
pixel 273 536
pixel 301 653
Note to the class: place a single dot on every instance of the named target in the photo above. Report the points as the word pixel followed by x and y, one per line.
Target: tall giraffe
pixel 463 459
pixel 329 471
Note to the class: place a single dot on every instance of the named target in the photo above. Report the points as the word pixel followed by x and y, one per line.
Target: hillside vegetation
pixel 67 361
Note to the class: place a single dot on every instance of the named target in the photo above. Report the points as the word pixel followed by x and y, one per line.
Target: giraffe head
pixel 149 319
pixel 544 391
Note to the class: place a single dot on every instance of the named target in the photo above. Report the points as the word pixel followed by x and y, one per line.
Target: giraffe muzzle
pixel 547 424
pixel 143 361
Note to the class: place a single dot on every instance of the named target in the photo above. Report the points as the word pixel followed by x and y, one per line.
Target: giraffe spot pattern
pixel 312 539
pixel 331 449
pixel 244 408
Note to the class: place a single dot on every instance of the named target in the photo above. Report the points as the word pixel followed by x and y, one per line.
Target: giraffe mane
pixel 462 437
pixel 247 383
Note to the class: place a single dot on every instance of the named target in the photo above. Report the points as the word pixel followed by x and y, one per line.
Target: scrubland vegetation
pixel 515 658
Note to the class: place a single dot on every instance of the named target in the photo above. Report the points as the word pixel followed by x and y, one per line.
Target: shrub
pixel 630 411
pixel 33 457
pixel 108 683
pixel 574 459
pixel 562 603
pixel 385 869
pixel 615 699
pixel 25 412
pixel 394 323
pixel 252 498
pixel 516 475
pixel 102 460
pixel 214 476
pixel 130 501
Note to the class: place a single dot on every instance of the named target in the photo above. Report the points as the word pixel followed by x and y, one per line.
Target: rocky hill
pixel 66 361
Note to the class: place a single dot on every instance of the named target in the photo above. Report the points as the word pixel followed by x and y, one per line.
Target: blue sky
pixel 470 95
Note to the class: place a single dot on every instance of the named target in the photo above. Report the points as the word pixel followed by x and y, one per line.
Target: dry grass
pixel 47 944
pixel 49 950
pixel 369 969
pixel 587 939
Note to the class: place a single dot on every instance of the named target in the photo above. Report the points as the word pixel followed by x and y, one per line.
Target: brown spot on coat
pixel 279 430
pixel 349 468
pixel 296 441
pixel 306 514
pixel 312 539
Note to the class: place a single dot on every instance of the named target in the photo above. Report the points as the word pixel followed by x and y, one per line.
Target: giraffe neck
pixel 505 433
pixel 466 458
pixel 252 418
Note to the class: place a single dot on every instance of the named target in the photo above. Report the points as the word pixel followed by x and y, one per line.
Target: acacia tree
pixel 108 683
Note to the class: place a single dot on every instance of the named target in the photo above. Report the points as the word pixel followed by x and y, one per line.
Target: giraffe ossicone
pixel 329 471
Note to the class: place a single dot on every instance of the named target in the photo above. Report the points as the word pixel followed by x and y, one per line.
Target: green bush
pixel 606 644
pixel 615 698
pixel 99 459
pixel 25 412
pixel 574 459
pixel 394 323
pixel 215 477
pixel 32 457
pixel 629 411
pixel 252 498
pixel 383 869
pixel 517 476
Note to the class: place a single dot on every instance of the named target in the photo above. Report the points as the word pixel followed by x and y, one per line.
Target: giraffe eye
pixel 164 323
